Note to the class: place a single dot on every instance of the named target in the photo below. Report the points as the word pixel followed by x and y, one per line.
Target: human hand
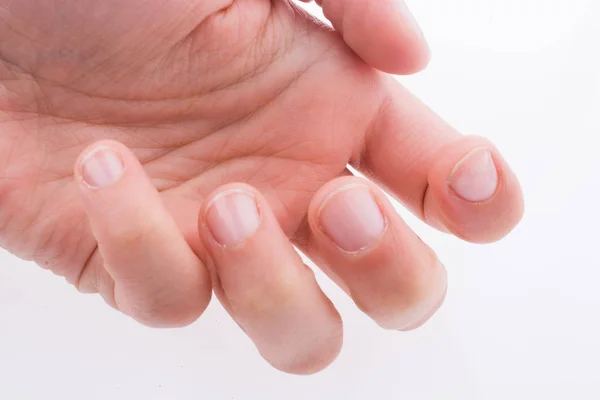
pixel 207 137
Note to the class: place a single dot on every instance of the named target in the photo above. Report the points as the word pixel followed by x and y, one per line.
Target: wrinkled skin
pixel 271 119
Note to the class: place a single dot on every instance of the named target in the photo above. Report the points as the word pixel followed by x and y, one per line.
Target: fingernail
pixel 475 177
pixel 101 168
pixel 233 217
pixel 352 218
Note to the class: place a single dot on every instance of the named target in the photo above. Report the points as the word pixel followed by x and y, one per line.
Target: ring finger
pixel 390 273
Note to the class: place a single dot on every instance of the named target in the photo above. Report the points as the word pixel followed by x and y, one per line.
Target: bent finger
pixel 459 184
pixel 390 273
pixel 158 279
pixel 265 286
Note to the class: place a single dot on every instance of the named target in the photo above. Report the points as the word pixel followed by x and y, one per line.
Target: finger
pixel 458 184
pixel 265 286
pixel 389 272
pixel 158 280
pixel 383 33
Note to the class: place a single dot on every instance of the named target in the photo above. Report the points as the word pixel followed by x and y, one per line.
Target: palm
pixel 206 93
pixel 191 133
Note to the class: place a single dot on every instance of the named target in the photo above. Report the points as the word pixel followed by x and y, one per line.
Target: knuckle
pixel 317 355
pixel 408 305
pixel 162 307
pixel 156 314
pixel 403 314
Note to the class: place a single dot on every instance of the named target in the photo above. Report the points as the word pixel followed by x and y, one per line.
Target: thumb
pixel 383 33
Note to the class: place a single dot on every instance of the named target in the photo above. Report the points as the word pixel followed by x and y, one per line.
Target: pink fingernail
pixel 352 218
pixel 101 168
pixel 233 217
pixel 475 177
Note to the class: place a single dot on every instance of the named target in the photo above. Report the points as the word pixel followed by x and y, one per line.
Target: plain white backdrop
pixel 521 319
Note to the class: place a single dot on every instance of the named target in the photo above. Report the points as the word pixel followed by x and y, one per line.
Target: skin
pixel 201 98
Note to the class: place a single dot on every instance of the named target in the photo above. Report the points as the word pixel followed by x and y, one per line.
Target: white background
pixel 521 320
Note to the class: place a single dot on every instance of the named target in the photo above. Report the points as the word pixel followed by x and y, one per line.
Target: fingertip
pixel 230 215
pixel 123 151
pixel 405 60
pixel 319 358
pixel 472 192
pixel 384 34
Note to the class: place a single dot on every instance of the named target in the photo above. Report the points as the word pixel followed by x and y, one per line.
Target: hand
pixel 208 137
